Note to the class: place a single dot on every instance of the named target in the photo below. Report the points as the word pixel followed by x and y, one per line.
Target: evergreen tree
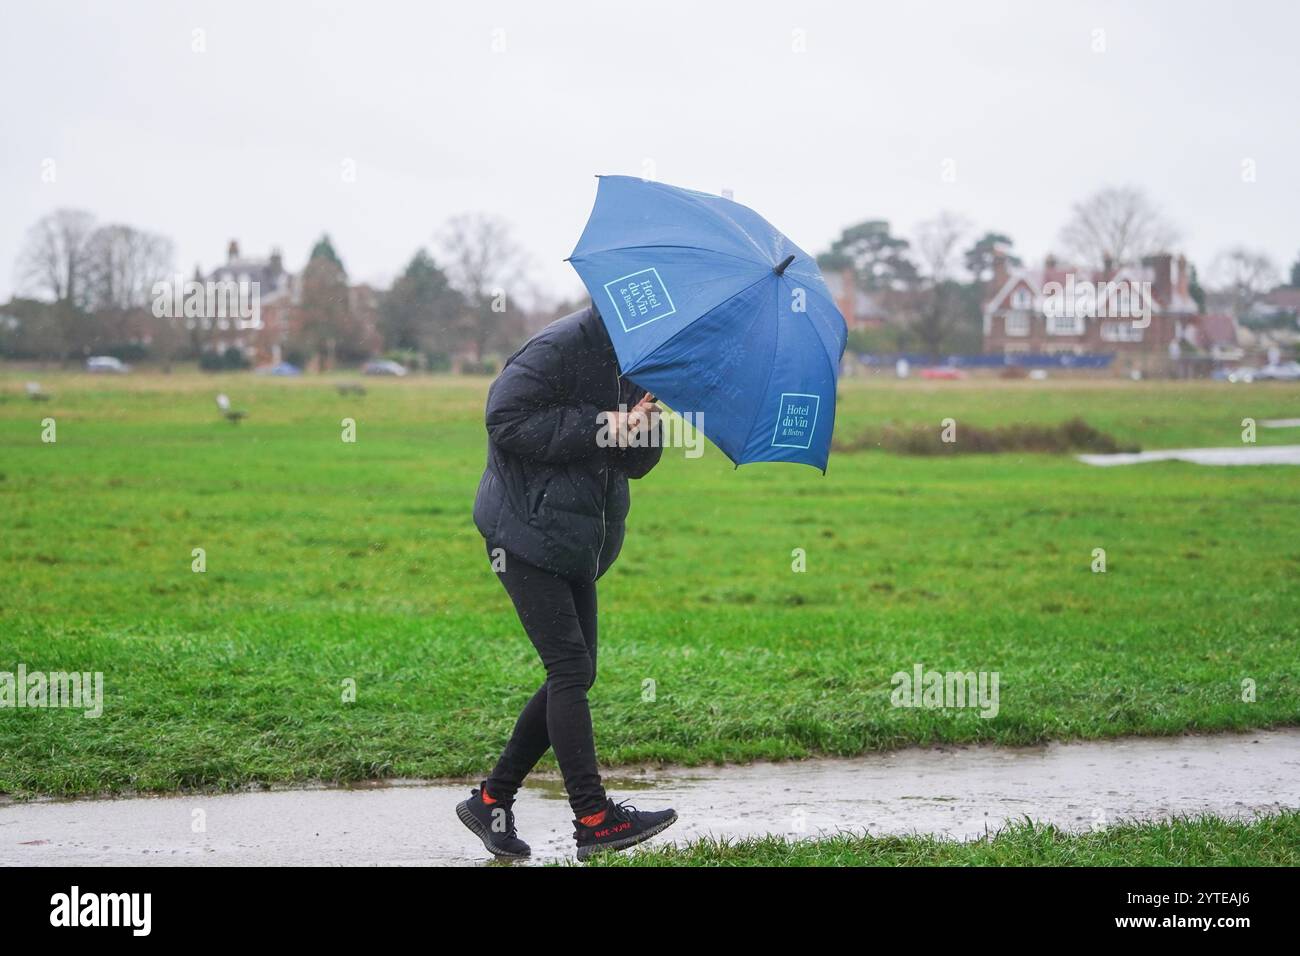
pixel 421 310
pixel 878 259
pixel 324 325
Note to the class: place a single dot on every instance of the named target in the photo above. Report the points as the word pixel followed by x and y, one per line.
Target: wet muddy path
pixel 947 791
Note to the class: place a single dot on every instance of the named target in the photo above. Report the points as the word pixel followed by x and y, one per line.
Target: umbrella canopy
pixel 714 311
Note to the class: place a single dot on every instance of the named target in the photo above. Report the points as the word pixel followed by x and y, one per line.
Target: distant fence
pixel 1021 359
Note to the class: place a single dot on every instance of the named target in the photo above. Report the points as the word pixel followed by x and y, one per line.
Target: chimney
pixel 999 265
pixel 232 251
pixel 1050 262
pixel 277 261
pixel 1182 280
pixel 1161 267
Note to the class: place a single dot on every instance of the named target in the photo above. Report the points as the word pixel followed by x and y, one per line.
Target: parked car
pixel 280 368
pixel 1245 374
pixel 1285 372
pixel 383 367
pixel 106 363
pixel 944 373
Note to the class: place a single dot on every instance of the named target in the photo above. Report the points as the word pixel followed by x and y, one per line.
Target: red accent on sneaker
pixel 595 819
pixel 488 799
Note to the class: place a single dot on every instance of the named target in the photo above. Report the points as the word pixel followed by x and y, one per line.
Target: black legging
pixel 559 616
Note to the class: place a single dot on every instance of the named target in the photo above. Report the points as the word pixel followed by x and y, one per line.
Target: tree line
pixel 930 289
pixel 86 288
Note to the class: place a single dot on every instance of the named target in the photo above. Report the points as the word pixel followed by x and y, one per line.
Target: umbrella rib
pixel 768 384
pixel 826 299
pixel 749 432
pixel 835 378
pixel 739 228
pixel 826 355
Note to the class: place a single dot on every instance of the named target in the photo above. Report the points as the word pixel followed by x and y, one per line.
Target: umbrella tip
pixel 784 264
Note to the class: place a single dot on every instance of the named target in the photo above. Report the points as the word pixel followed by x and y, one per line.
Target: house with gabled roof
pixel 1141 313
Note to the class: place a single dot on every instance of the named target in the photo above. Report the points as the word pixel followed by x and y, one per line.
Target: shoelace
pixel 618 811
pixel 624 810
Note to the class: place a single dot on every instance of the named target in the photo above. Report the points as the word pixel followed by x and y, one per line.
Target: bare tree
pixel 488 268
pixel 51 265
pixel 1244 275
pixel 52 261
pixel 122 265
pixel 936 245
pixel 1114 226
pixel 936 302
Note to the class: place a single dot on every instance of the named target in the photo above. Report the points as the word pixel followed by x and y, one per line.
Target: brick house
pixel 861 310
pixel 276 290
pixel 280 295
pixel 1019 318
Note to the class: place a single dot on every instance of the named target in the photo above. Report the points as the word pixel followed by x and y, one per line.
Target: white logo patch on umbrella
pixel 796 420
pixel 640 298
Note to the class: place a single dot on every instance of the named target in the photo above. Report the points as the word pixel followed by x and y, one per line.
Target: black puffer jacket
pixel 550 494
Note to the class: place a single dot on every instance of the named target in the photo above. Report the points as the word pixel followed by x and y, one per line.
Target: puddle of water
pixel 1281 423
pixel 1246 455
pixel 954 792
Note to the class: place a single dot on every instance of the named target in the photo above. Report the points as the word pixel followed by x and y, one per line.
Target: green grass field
pixel 329 562
pixel 1203 841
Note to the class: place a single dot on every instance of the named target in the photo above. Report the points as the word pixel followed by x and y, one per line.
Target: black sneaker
pixel 494 824
pixel 623 826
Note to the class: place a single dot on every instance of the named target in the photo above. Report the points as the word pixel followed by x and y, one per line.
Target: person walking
pixel 565 433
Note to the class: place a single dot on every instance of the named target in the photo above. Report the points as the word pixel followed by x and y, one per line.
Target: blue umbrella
pixel 714 311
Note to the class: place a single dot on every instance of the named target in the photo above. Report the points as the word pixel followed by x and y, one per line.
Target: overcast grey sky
pixel 248 139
